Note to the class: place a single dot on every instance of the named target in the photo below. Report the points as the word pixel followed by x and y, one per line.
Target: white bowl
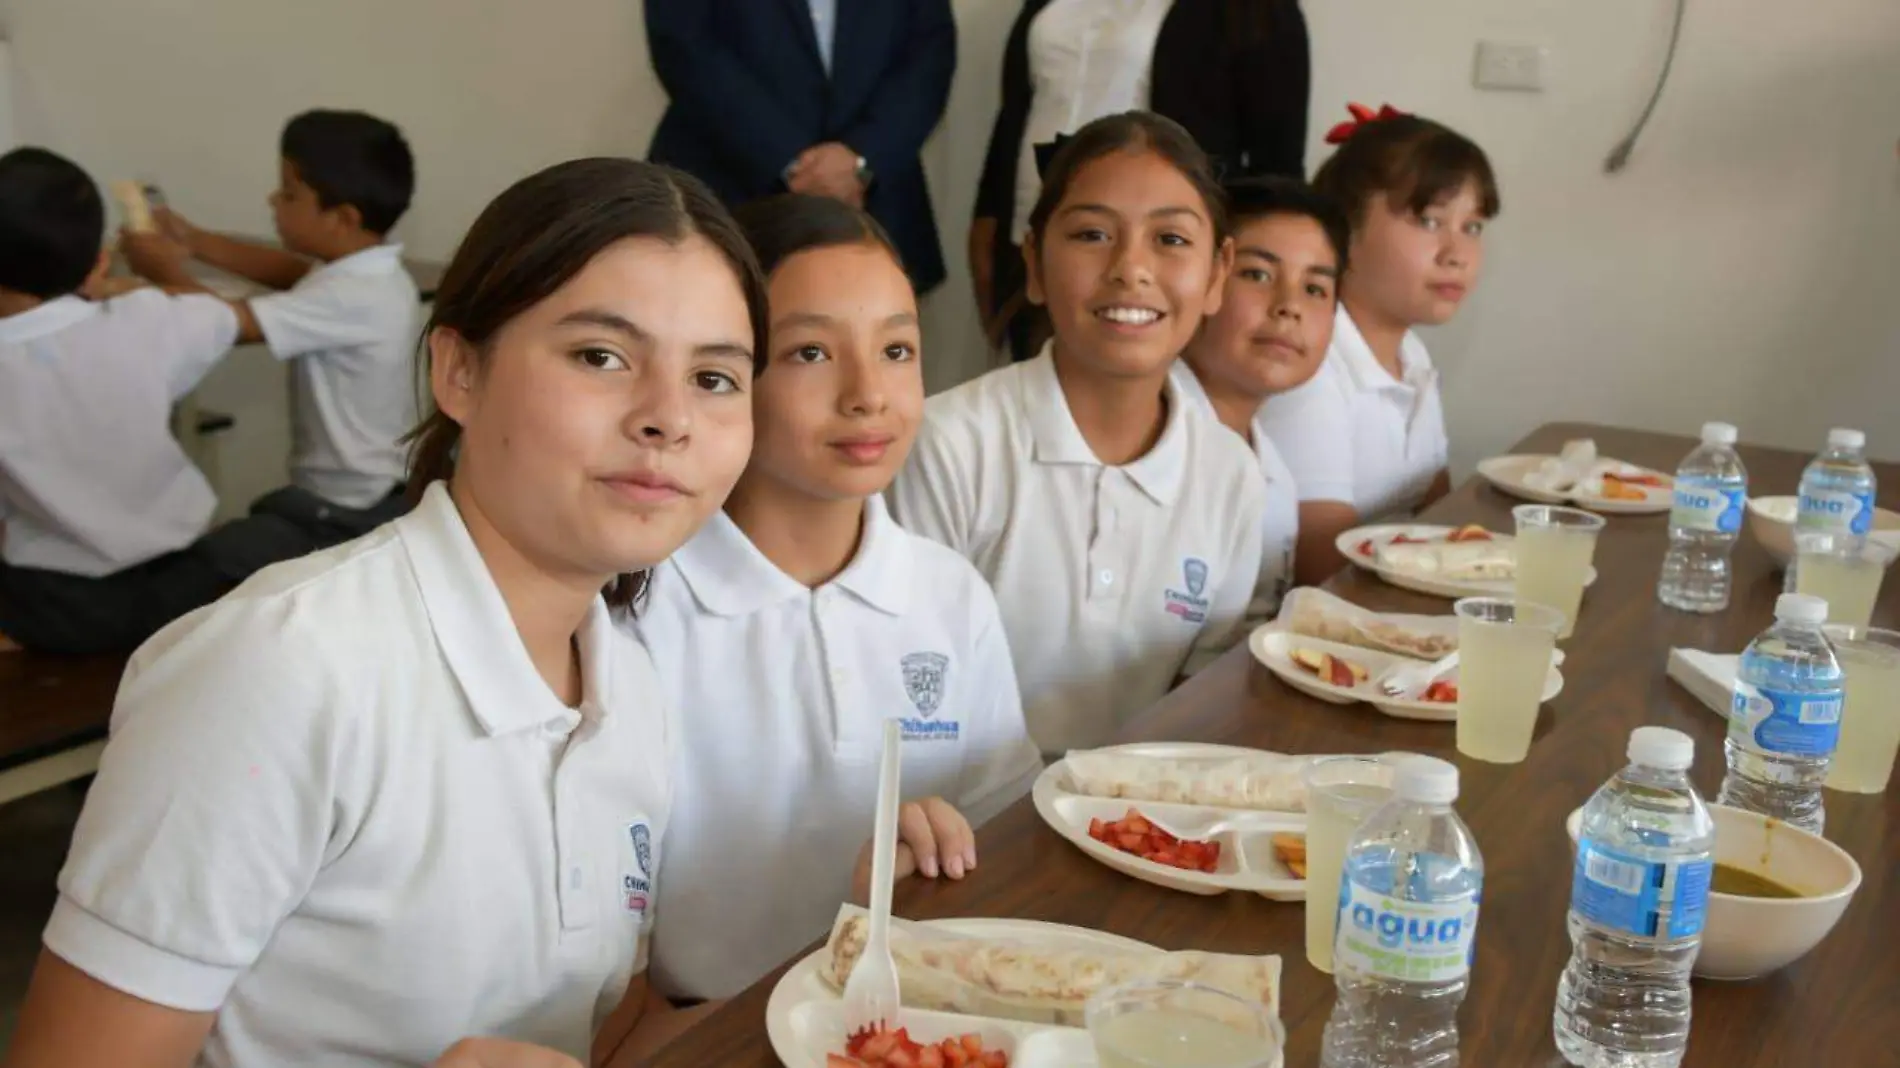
pixel 1771 520
pixel 1747 937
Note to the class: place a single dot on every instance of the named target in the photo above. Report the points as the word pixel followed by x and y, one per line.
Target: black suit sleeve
pixel 912 90
pixel 996 190
pixel 736 111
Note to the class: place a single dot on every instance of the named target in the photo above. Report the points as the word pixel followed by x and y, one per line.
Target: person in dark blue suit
pixel 832 97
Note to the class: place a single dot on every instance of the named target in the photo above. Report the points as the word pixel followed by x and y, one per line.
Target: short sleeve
pixel 1003 761
pixel 323 312
pixel 1312 429
pixel 933 496
pixel 210 816
pixel 196 329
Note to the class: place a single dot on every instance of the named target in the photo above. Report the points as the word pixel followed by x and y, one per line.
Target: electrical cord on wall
pixel 1620 155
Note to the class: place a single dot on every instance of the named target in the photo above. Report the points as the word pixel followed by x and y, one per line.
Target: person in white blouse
pixel 415 787
pixel 1234 73
pixel 1270 335
pixel 1118 524
pixel 1365 438
pixel 803 617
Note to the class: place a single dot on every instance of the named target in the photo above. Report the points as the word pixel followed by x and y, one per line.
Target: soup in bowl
pixel 1777 892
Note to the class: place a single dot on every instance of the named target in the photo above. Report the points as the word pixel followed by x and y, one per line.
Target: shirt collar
pixel 375 260
pixel 477 635
pixel 1059 441
pixel 729 576
pixel 51 317
pixel 1364 369
pixel 1193 391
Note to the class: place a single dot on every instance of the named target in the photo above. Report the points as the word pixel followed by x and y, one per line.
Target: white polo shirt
pixel 350 327
pixel 340 808
pixel 1280 523
pixel 1113 581
pixel 1354 433
pixel 91 479
pixel 781 693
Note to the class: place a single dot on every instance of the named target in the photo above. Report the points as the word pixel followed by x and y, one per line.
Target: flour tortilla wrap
pixel 1255 781
pixel 138 210
pixel 1043 983
pixel 1305 612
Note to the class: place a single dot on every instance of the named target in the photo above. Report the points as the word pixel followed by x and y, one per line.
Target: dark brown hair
pixel 533 239
pixel 1412 161
pixel 1249 199
pixel 1129 131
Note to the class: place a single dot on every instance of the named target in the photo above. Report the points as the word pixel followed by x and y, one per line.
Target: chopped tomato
pixel 1134 834
pixel 1469 532
pixel 1442 690
pixel 896 1049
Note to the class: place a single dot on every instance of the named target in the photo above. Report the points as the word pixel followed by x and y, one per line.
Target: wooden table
pixel 1833 1009
pixel 53 716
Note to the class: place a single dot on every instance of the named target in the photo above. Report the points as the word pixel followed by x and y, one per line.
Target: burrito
pixel 1258 781
pixel 1366 631
pixel 1469 561
pixel 137 209
pixel 1011 979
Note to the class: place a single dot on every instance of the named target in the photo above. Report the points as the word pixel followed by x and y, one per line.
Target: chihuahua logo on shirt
pixel 638 885
pixel 1190 606
pixel 925 677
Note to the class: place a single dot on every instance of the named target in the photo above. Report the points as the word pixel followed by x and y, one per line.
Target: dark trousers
pixel 57 612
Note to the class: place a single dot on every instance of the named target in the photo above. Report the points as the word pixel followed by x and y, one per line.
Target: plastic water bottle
pixel 1711 493
pixel 1837 489
pixel 1637 902
pixel 1785 717
pixel 1408 919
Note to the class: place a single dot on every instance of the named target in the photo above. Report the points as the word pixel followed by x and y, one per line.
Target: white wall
pixel 1743 267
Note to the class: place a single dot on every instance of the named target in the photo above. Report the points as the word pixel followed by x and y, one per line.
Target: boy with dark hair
pixel 100 510
pixel 345 315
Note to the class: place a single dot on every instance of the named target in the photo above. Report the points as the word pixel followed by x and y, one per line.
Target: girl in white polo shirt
pixel 1366 437
pixel 415 787
pixel 1118 523
pixel 802 617
pixel 1270 335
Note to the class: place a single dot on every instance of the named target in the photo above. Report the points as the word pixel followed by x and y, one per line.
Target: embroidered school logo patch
pixel 925 679
pixel 637 885
pixel 1189 605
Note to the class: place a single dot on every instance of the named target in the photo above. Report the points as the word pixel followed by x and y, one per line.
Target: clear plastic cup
pixel 1340 793
pixel 1504 647
pixel 1171 1023
pixel 1870 715
pixel 1842 569
pixel 1554 548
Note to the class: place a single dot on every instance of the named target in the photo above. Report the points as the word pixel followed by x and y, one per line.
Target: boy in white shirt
pixel 1366 437
pixel 100 510
pixel 802 617
pixel 1270 336
pixel 345 314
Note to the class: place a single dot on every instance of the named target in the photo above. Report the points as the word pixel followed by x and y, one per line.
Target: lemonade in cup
pixel 1173 1023
pixel 1340 793
pixel 1554 548
pixel 1504 647
pixel 1870 714
pixel 1842 569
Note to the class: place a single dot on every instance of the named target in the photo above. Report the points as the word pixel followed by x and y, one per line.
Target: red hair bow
pixel 1361 115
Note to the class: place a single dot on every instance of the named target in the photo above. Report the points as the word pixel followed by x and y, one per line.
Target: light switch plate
pixel 1509 66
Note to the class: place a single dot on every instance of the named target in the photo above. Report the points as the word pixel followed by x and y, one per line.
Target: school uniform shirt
pixel 349 326
pixel 1280 522
pixel 342 810
pixel 1087 59
pixel 91 479
pixel 781 693
pixel 1113 581
pixel 1356 434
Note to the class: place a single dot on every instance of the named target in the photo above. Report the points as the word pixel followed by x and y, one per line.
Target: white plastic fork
pixel 1407 679
pixel 1216 825
pixel 870 994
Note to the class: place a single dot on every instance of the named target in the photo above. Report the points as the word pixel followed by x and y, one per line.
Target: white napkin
pixel 1709 677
